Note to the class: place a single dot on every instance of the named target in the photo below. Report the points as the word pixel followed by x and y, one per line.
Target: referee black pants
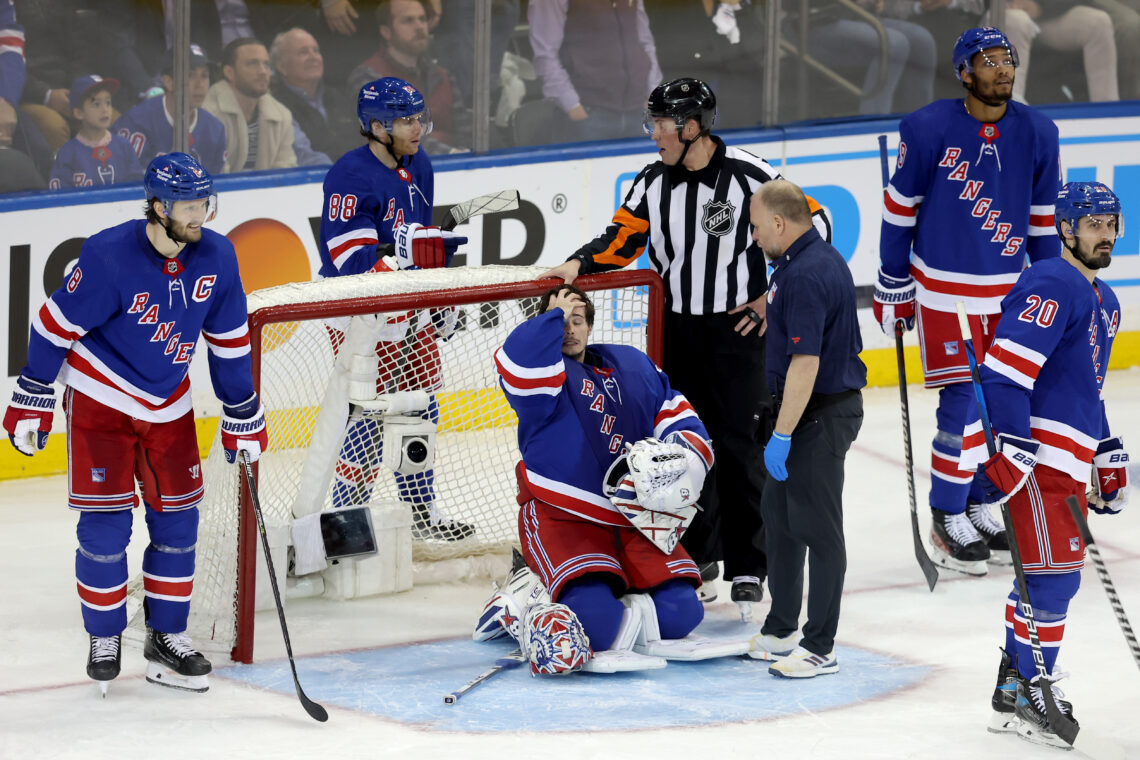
pixel 803 515
pixel 721 373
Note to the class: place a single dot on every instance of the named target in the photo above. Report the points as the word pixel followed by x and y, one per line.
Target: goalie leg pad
pixel 553 640
pixel 101 570
pixel 503 613
pixel 593 601
pixel 688 648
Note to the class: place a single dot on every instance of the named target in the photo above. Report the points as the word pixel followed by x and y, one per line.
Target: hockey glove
pixel 28 417
pixel 1111 467
pixel 776 456
pixel 698 455
pixel 725 22
pixel 1008 469
pixel 243 429
pixel 894 300
pixel 420 247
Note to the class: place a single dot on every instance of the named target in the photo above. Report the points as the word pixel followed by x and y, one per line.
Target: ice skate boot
pixel 956 543
pixel 427 527
pixel 746 591
pixel 105 660
pixel 992 531
pixel 1033 723
pixel 171 661
pixel 1004 700
pixel 710 572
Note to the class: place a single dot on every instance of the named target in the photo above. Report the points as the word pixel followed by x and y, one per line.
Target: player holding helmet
pixel 1042 381
pixel 119 336
pixel 972 196
pixel 376 217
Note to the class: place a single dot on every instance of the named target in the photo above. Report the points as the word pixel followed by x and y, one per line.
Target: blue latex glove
pixel 776 456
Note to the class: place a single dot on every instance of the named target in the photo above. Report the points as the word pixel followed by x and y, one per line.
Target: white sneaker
pixel 804 664
pixel 767 647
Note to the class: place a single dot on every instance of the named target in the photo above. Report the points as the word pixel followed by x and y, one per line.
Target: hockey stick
pixel 924 562
pixel 1105 579
pixel 315 711
pixel 504 200
pixel 1062 725
pixel 512 660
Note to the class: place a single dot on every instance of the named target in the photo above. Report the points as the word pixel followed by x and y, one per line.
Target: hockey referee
pixel 689 211
pixel 815 374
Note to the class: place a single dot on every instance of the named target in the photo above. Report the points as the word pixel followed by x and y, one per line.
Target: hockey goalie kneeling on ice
pixel 613 463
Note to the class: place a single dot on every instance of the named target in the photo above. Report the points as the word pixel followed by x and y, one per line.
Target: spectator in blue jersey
pixel 259 130
pixel 17 170
pixel 149 126
pixel 119 335
pixel 613 460
pixel 376 217
pixel 317 107
pixel 95 156
pixel 1045 373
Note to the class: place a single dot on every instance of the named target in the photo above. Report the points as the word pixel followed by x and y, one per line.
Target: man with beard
pixel 971 197
pixel 1042 382
pixel 259 130
pixel 119 336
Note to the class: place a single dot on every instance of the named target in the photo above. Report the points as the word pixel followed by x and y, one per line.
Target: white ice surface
pixel 49 709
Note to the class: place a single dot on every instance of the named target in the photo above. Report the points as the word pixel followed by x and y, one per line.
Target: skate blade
pixel 103 686
pixel 1003 723
pixel 1044 738
pixel 163 676
pixel 1000 558
pixel 745 611
pixel 974 569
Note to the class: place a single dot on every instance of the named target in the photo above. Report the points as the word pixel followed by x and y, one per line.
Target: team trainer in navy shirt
pixel 815 372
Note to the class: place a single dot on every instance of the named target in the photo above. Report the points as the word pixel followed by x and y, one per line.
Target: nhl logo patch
pixel 718 217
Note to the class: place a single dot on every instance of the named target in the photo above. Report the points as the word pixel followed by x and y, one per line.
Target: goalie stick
pixel 512 660
pixel 493 203
pixel 1061 724
pixel 315 711
pixel 1105 579
pixel 924 562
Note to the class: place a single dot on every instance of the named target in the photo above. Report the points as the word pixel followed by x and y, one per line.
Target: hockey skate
pixel 171 661
pixel 105 660
pixel 425 527
pixel 956 544
pixel 992 532
pixel 710 572
pixel 1004 700
pixel 746 591
pixel 1032 723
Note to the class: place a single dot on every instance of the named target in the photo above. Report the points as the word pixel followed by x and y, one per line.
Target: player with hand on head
pixel 119 335
pixel 376 217
pixel 613 460
pixel 987 169
pixel 1042 381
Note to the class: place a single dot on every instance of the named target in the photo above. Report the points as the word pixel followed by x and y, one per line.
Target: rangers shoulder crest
pixel 718 217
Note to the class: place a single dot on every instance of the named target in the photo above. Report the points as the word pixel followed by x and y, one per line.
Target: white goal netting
pixel 323 454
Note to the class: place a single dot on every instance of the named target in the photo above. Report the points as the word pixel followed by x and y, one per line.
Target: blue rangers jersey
pixel 123 327
pixel 972 200
pixel 149 128
pixel 13 71
pixel 80 165
pixel 366 202
pixel 575 417
pixel 1044 374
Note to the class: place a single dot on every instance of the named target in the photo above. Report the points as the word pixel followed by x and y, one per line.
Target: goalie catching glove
pixel 420 247
pixel 1110 466
pixel 243 429
pixel 655 485
pixel 28 418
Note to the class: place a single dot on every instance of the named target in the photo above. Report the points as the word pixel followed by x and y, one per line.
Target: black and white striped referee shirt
pixel 696 228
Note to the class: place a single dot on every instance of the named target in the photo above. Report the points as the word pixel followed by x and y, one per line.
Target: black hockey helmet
pixel 682 99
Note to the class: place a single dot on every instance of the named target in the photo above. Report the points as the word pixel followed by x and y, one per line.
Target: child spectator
pixel 94 156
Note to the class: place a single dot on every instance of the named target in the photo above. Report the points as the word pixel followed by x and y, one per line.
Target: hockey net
pixel 294 329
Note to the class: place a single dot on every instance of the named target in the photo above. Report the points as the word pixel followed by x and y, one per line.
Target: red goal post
pixel 492 300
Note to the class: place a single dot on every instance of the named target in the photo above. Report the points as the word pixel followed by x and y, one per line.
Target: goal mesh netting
pixel 319 456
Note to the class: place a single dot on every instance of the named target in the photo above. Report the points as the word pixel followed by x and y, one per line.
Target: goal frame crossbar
pixel 263 317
